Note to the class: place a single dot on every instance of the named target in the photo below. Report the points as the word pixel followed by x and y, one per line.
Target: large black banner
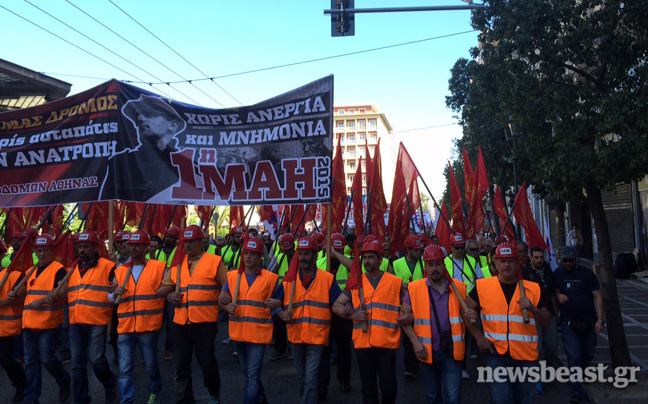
pixel 116 141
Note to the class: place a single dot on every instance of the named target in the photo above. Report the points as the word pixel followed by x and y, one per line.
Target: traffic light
pixel 342 24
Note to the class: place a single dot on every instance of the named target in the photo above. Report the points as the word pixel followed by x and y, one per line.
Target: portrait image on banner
pixel 117 141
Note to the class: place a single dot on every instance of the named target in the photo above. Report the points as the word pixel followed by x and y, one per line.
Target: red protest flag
pixel 98 217
pixel 237 216
pixel 33 216
pixel 265 212
pixel 356 200
pixel 469 177
pixel 378 203
pixel 14 223
pixel 130 213
pixel 296 217
pixel 442 230
pixel 404 179
pixel 23 260
pixel 293 268
pixel 178 257
pixel 339 197
pixel 502 213
pixel 524 216
pixel 57 219
pixel 480 186
pixel 64 249
pixel 456 208
pixel 369 162
pixel 355 273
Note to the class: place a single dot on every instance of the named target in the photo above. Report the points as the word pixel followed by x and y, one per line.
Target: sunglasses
pixel 459 248
pixel 568 260
pixel 472 249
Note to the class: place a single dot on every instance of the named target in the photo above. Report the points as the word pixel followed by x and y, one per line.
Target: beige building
pixel 355 124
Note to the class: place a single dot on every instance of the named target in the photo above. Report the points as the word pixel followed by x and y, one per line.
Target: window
pixel 363 111
pixel 361 137
pixel 373 137
pixel 340 124
pixel 351 124
pixel 351 138
pixel 340 112
pixel 351 178
pixel 372 149
pixel 351 111
pixel 362 125
pixel 352 152
pixel 373 124
pixel 352 165
pixel 364 179
pixel 361 151
pixel 364 165
pixel 342 139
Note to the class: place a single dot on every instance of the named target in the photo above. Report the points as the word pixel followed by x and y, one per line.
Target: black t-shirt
pixel 509 291
pixel 578 286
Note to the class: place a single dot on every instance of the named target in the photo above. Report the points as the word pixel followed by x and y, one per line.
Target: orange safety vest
pixel 88 301
pixel 503 324
pixel 141 309
pixel 424 326
pixel 46 317
pixel 10 316
pixel 252 321
pixel 382 306
pixel 199 290
pixel 311 320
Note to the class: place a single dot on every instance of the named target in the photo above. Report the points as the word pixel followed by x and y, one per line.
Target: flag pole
pixel 346 219
pixel 445 219
pixel 111 228
pixel 329 230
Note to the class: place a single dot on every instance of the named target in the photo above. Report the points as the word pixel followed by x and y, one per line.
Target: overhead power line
pixel 109 50
pixel 427 127
pixel 174 51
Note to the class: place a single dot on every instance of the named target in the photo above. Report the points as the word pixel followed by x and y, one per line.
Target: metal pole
pixel 400 9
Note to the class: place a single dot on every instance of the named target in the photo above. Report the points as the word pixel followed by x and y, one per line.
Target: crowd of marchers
pixel 312 301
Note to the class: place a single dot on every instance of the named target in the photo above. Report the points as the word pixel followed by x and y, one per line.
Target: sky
pixel 232 40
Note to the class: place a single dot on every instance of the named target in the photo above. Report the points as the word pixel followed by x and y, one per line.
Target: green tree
pixel 571 76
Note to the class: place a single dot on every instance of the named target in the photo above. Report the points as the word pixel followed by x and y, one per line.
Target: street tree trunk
pixel 619 352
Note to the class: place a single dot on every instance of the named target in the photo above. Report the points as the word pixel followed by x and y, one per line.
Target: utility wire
pixel 143 51
pixel 427 127
pixel 114 53
pixel 173 50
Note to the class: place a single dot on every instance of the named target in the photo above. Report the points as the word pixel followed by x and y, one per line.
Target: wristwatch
pixel 602 322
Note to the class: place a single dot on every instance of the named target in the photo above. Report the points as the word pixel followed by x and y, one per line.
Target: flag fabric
pixel 552 256
pixel 442 230
pixel 178 256
pixel 293 269
pixel 33 216
pixel 56 219
pixel 404 180
pixel 64 249
pixel 356 199
pixel 369 162
pixel 478 191
pixel 23 260
pixel 502 213
pixel 469 177
pixel 339 198
pixel 96 217
pixel 524 216
pixel 378 203
pixel 14 223
pixel 355 273
pixel 456 208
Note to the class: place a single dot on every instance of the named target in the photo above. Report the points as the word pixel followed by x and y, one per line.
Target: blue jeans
pixel 507 391
pixel 39 348
pixel 64 351
pixel 580 352
pixel 251 359
pixel 307 359
pixel 443 374
pixel 88 344
pixel 148 343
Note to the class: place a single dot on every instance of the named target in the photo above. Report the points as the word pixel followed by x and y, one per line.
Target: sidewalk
pixel 633 299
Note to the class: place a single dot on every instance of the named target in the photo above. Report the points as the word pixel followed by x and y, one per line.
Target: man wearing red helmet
pixel 42 314
pixel 90 312
pixel 309 320
pixel 410 268
pixel 438 332
pixel 196 316
pixel 250 322
pixel 169 245
pixel 507 339
pixel 286 244
pixel 376 348
pixel 140 313
pixel 462 266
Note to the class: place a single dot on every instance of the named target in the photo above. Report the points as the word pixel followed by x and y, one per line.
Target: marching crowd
pixel 441 306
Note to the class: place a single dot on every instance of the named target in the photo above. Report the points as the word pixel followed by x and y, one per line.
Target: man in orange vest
pixel 507 339
pixel 140 315
pixel 250 321
pixel 42 314
pixel 438 333
pixel 10 324
pixel 90 312
pixel 375 348
pixel 309 321
pixel 196 316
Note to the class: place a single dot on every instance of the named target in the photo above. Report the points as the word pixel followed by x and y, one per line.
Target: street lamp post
pixel 515 180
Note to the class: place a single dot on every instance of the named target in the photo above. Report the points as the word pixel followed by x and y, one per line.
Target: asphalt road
pixel 279 380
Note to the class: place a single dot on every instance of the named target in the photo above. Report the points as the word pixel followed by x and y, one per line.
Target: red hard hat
pixel 75 237
pixel 374 247
pixel 502 239
pixel 423 238
pixel 125 236
pixel 433 253
pixel 255 245
pixel 3 247
pixel 307 243
pixel 173 231
pixel 44 241
pixel 360 240
pixel 337 241
pixel 457 239
pixel 17 234
pixel 286 242
pixel 89 236
pixel 31 232
pixel 193 232
pixel 236 230
pixel 118 236
pixel 413 241
pixel 319 237
pixel 139 237
pixel 506 250
pixel 370 237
